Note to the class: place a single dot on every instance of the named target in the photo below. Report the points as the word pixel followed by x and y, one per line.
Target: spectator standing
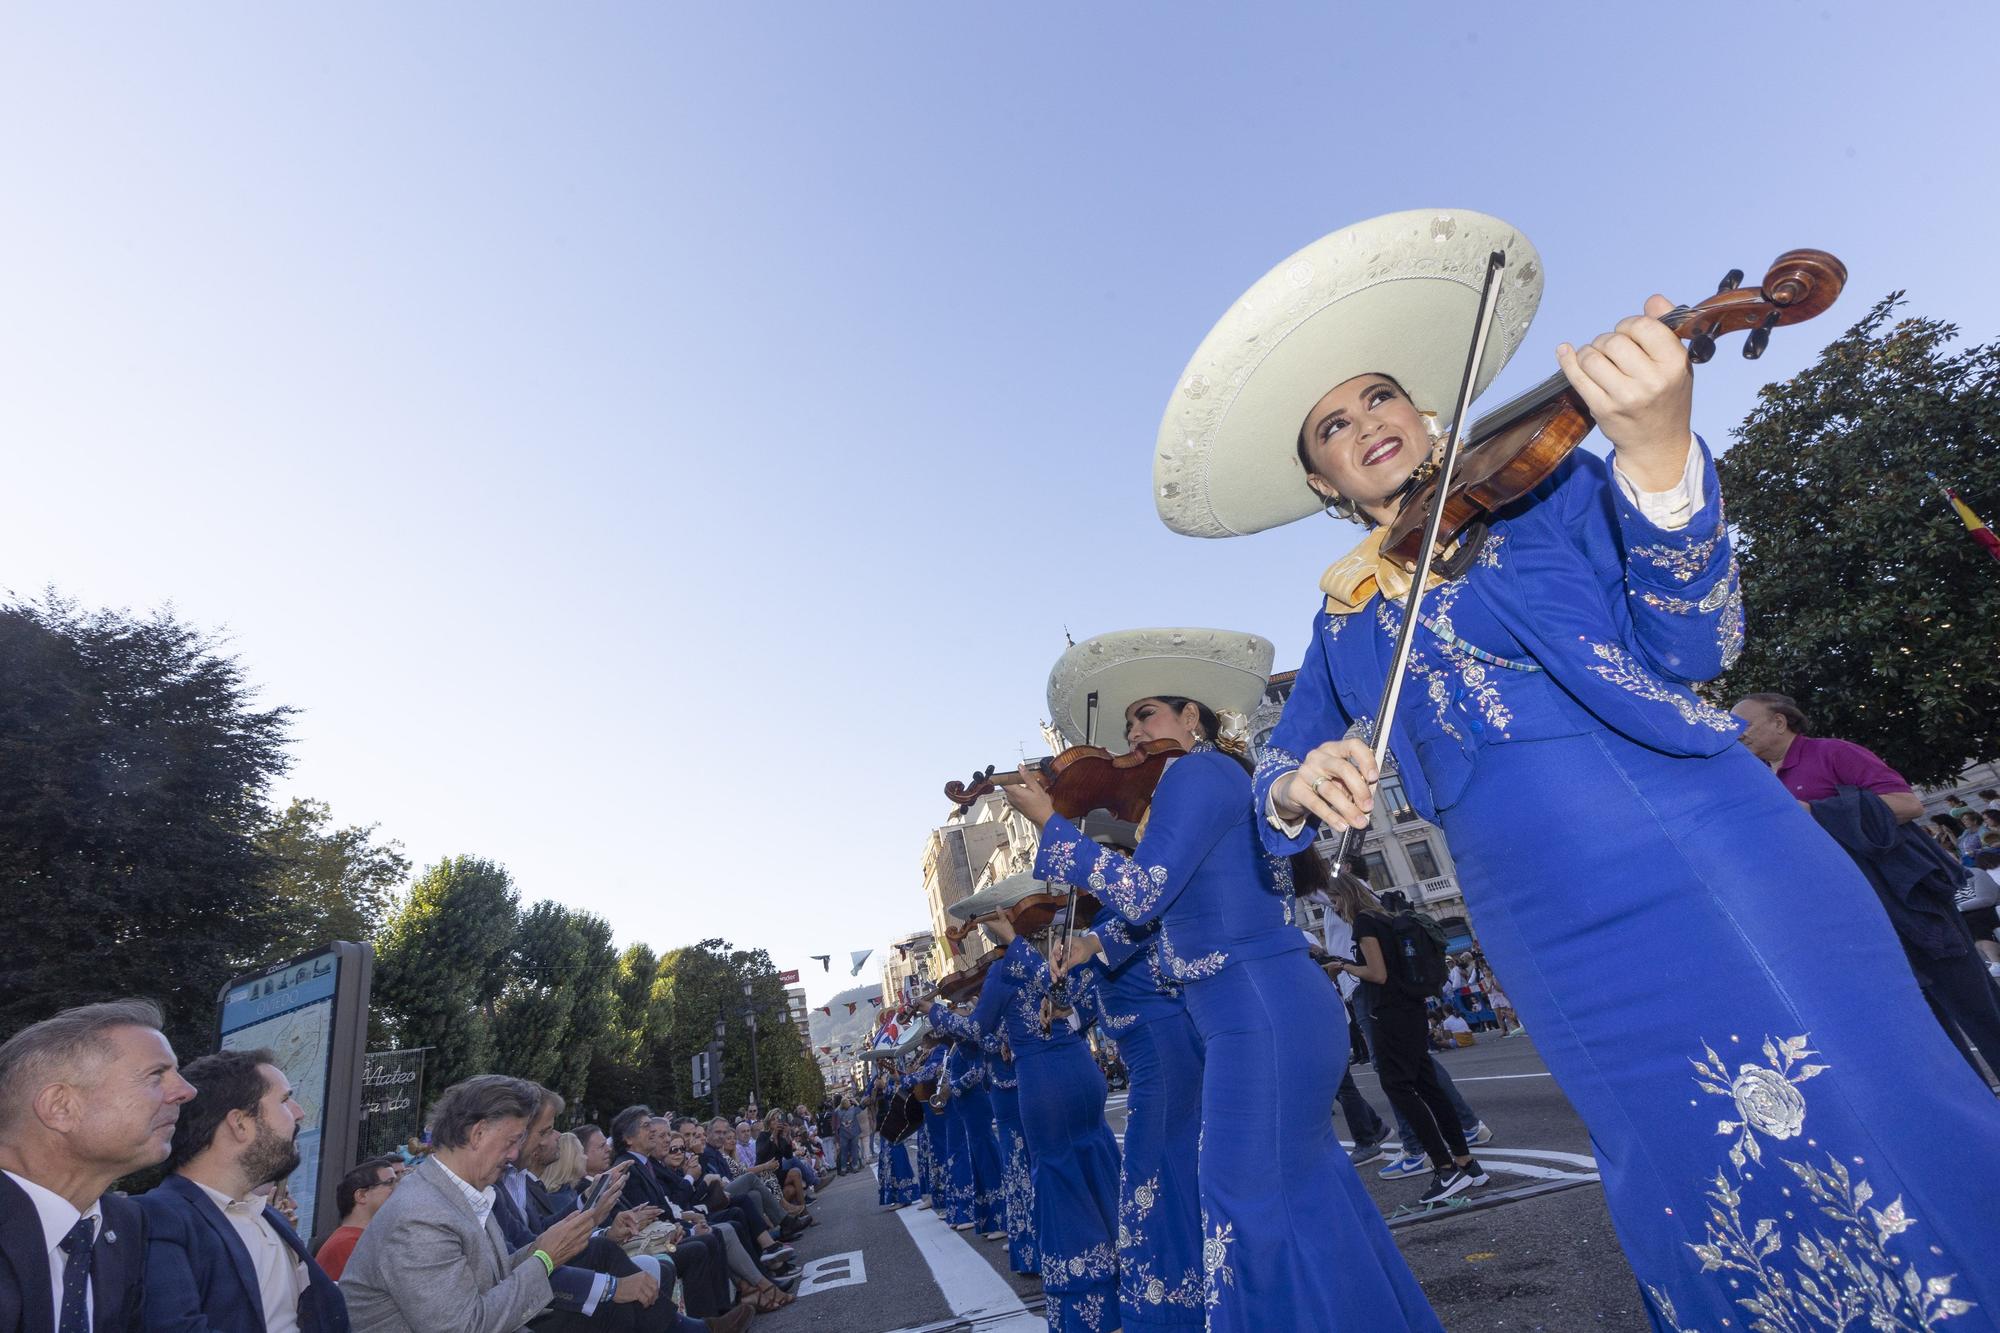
pixel 86 1097
pixel 1916 881
pixel 359 1195
pixel 218 1256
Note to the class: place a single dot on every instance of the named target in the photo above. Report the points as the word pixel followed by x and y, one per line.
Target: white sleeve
pixel 1669 510
pixel 1291 828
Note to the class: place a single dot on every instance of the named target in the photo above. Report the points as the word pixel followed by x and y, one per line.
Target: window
pixel 1375 870
pixel 1391 791
pixel 1421 859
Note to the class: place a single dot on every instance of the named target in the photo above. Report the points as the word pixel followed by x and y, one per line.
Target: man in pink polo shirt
pixel 1814 767
pixel 1915 879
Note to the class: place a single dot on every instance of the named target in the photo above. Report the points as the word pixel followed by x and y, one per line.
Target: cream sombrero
pixel 996 896
pixel 1225 669
pixel 1395 295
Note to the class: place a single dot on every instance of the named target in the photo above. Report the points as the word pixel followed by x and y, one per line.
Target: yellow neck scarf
pixel 1352 581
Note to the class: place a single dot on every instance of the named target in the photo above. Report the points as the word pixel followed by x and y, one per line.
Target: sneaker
pixel 1404 1167
pixel 1373 1150
pixel 1452 1180
pixel 786 1281
pixel 1481 1133
pixel 777 1254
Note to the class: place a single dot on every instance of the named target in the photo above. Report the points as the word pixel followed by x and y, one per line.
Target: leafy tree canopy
pixel 1867 600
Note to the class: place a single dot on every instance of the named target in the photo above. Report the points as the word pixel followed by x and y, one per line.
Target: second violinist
pixel 1290 1239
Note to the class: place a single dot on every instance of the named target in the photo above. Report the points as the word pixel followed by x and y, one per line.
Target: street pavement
pixel 1533 1252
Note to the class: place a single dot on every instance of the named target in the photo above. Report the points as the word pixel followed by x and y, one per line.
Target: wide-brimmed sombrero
pixel 996 897
pixel 1395 295
pixel 1095 681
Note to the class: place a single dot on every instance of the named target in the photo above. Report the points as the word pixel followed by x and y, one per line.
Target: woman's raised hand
pixel 1030 796
pixel 1082 947
pixel 1332 784
pixel 999 927
pixel 1636 382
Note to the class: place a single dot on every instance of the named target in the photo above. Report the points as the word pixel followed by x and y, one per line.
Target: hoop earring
pixel 1339 507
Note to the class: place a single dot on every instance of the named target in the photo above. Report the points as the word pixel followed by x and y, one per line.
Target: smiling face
pixel 1361 442
pixel 1154 720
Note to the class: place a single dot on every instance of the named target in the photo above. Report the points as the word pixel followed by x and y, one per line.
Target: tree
pixel 532 1020
pixel 617 1079
pixel 133 769
pixel 592 1019
pixel 1866 599
pixel 325 883
pixel 441 965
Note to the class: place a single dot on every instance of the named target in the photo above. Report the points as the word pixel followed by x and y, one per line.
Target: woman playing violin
pixel 1073 1156
pixel 1289 1238
pixel 1701 967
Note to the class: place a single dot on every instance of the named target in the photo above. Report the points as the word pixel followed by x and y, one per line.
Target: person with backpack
pixel 1399 958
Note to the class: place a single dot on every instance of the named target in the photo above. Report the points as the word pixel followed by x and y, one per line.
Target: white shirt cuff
pixel 1290 828
pixel 1668 510
pixel 598 1291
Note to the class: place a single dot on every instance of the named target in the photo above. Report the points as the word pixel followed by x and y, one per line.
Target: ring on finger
pixel 1316 784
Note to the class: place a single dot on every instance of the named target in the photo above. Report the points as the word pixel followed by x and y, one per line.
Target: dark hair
pixel 1205 718
pixel 362 1177
pixel 471 1102
pixel 32 1057
pixel 1786 707
pixel 585 1133
pixel 224 1082
pixel 1309 875
pixel 1948 824
pixel 624 1123
pixel 1989 793
pixel 1395 900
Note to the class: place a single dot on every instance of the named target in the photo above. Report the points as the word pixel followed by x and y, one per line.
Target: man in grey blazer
pixel 433 1260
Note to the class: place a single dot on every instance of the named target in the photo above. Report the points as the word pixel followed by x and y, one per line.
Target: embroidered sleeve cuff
pixel 1057 858
pixel 1669 510
pixel 1291 828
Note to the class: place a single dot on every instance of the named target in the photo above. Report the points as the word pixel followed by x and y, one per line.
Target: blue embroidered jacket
pixel 1198 871
pixel 1621 614
pixel 1010 1003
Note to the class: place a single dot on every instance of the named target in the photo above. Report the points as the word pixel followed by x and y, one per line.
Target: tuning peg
pixel 1760 337
pixel 1701 347
pixel 1730 281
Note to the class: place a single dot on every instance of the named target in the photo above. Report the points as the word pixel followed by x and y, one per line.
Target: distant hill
pixel 841 1026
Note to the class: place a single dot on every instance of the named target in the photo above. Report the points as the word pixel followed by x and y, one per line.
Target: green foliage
pixel 133 769
pixel 441 966
pixel 325 883
pixel 1867 599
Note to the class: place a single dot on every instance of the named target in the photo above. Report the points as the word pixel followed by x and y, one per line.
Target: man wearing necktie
pixel 86 1097
pixel 217 1256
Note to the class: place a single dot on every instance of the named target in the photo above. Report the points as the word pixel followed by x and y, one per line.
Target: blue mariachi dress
pixel 974 1143
pixel 1782 1128
pixel 933 1166
pixel 959 1185
pixel 1016 1169
pixel 897 1173
pixel 1290 1239
pixel 1160 1277
pixel 1075 1157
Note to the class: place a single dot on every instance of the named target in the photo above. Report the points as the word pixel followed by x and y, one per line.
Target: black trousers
pixel 1962 995
pixel 1403 1059
pixel 704 1270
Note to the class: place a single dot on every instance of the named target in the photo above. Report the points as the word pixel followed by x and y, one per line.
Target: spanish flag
pixel 1980 532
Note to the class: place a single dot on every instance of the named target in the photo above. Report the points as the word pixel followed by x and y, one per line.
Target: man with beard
pixel 217 1256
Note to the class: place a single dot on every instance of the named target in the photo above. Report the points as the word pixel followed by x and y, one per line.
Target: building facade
pixel 907 958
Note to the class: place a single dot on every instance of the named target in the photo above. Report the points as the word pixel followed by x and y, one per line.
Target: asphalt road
pixel 1532 1251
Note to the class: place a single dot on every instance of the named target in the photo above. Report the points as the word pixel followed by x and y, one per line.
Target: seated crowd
pixel 500 1222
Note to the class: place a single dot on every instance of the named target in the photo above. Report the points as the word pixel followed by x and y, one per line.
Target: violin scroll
pixel 965 793
pixel 1800 285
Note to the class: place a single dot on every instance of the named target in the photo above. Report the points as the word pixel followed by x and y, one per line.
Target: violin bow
pixel 1392 688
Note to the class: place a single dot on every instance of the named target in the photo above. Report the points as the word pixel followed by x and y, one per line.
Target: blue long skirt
pixel 1787 1138
pixel 1018 1185
pixel 1291 1239
pixel 1160 1279
pixel 936 1172
pixel 989 1201
pixel 1076 1183
pixel 956 1206
pixel 897 1174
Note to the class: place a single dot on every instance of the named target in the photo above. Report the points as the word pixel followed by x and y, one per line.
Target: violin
pixel 955 986
pixel 1084 778
pixel 1509 451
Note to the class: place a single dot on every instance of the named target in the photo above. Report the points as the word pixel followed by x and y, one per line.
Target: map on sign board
pixel 290 1011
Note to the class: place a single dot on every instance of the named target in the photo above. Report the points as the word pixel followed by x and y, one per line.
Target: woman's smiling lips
pixel 1382 450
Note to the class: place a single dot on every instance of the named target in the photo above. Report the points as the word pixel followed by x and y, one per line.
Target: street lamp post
pixel 715 1066
pixel 756 1074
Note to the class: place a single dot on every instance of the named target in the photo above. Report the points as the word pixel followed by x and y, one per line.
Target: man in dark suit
pixel 85 1098
pixel 217 1256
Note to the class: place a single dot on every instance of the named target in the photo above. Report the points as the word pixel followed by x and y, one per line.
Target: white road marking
pixel 1583 1160
pixel 1492 1163
pixel 833 1270
pixel 969 1285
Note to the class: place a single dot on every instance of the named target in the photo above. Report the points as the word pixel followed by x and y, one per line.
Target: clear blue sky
pixel 658 445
